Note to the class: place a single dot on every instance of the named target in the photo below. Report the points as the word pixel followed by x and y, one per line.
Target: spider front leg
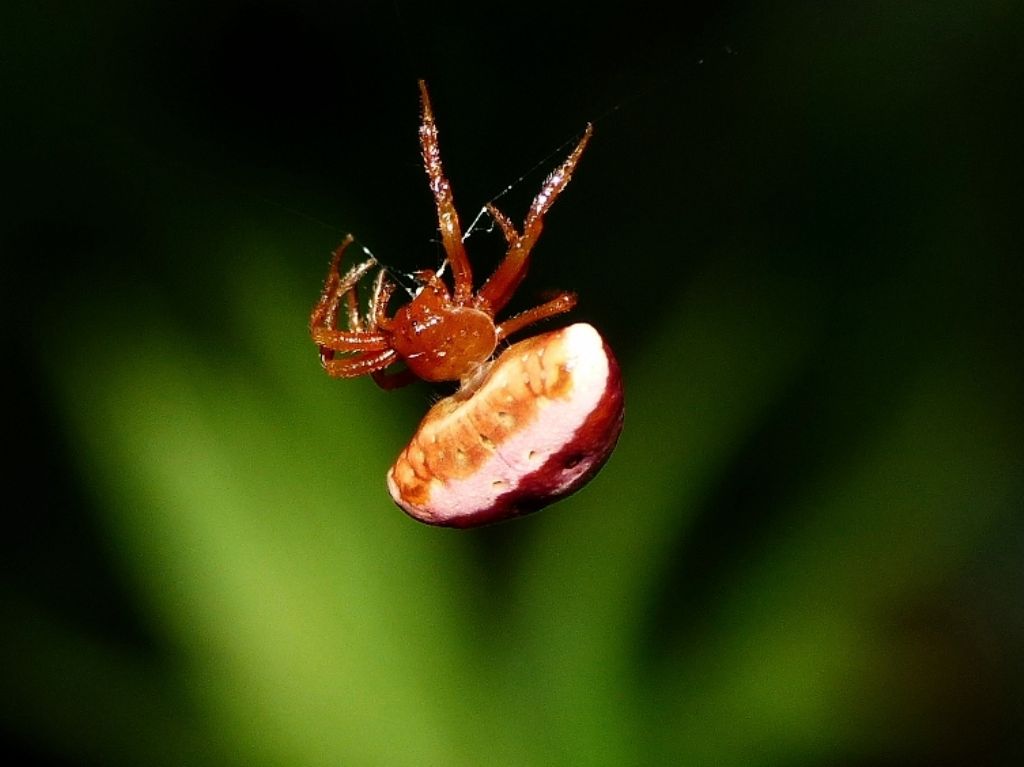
pixel 371 347
pixel 502 284
pixel 447 216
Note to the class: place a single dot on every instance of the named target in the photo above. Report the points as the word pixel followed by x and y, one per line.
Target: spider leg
pixel 360 364
pixel 501 285
pixel 560 304
pixel 379 298
pixel 389 381
pixel 447 216
pixel 377 317
pixel 349 341
pixel 355 322
pixel 323 319
pixel 325 313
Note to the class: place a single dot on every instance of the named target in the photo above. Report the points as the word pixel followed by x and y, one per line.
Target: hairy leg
pixel 324 317
pixel 360 364
pixel 560 304
pixel 379 298
pixel 502 284
pixel 447 216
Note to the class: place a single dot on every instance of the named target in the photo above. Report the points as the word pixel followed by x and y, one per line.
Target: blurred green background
pixel 800 227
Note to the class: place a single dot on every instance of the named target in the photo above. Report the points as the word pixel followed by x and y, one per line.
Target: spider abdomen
pixel 541 423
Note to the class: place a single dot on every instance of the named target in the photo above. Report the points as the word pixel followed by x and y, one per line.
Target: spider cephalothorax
pixel 444 333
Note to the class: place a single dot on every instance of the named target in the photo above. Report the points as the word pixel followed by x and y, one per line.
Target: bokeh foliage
pixel 799 227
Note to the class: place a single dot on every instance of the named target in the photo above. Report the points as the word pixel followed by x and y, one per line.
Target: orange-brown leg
pixel 447 216
pixel 382 290
pixel 360 364
pixel 497 291
pixel 355 322
pixel 562 303
pixel 323 318
pixel 379 298
pixel 347 341
pixel 389 381
pixel 325 312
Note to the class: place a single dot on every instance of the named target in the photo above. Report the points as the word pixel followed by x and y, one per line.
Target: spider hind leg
pixel 323 320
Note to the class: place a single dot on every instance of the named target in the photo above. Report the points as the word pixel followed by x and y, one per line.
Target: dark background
pixel 798 225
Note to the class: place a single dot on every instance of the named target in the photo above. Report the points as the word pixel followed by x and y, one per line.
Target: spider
pixel 444 333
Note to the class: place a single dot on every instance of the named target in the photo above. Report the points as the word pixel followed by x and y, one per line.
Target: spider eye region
pixel 443 343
